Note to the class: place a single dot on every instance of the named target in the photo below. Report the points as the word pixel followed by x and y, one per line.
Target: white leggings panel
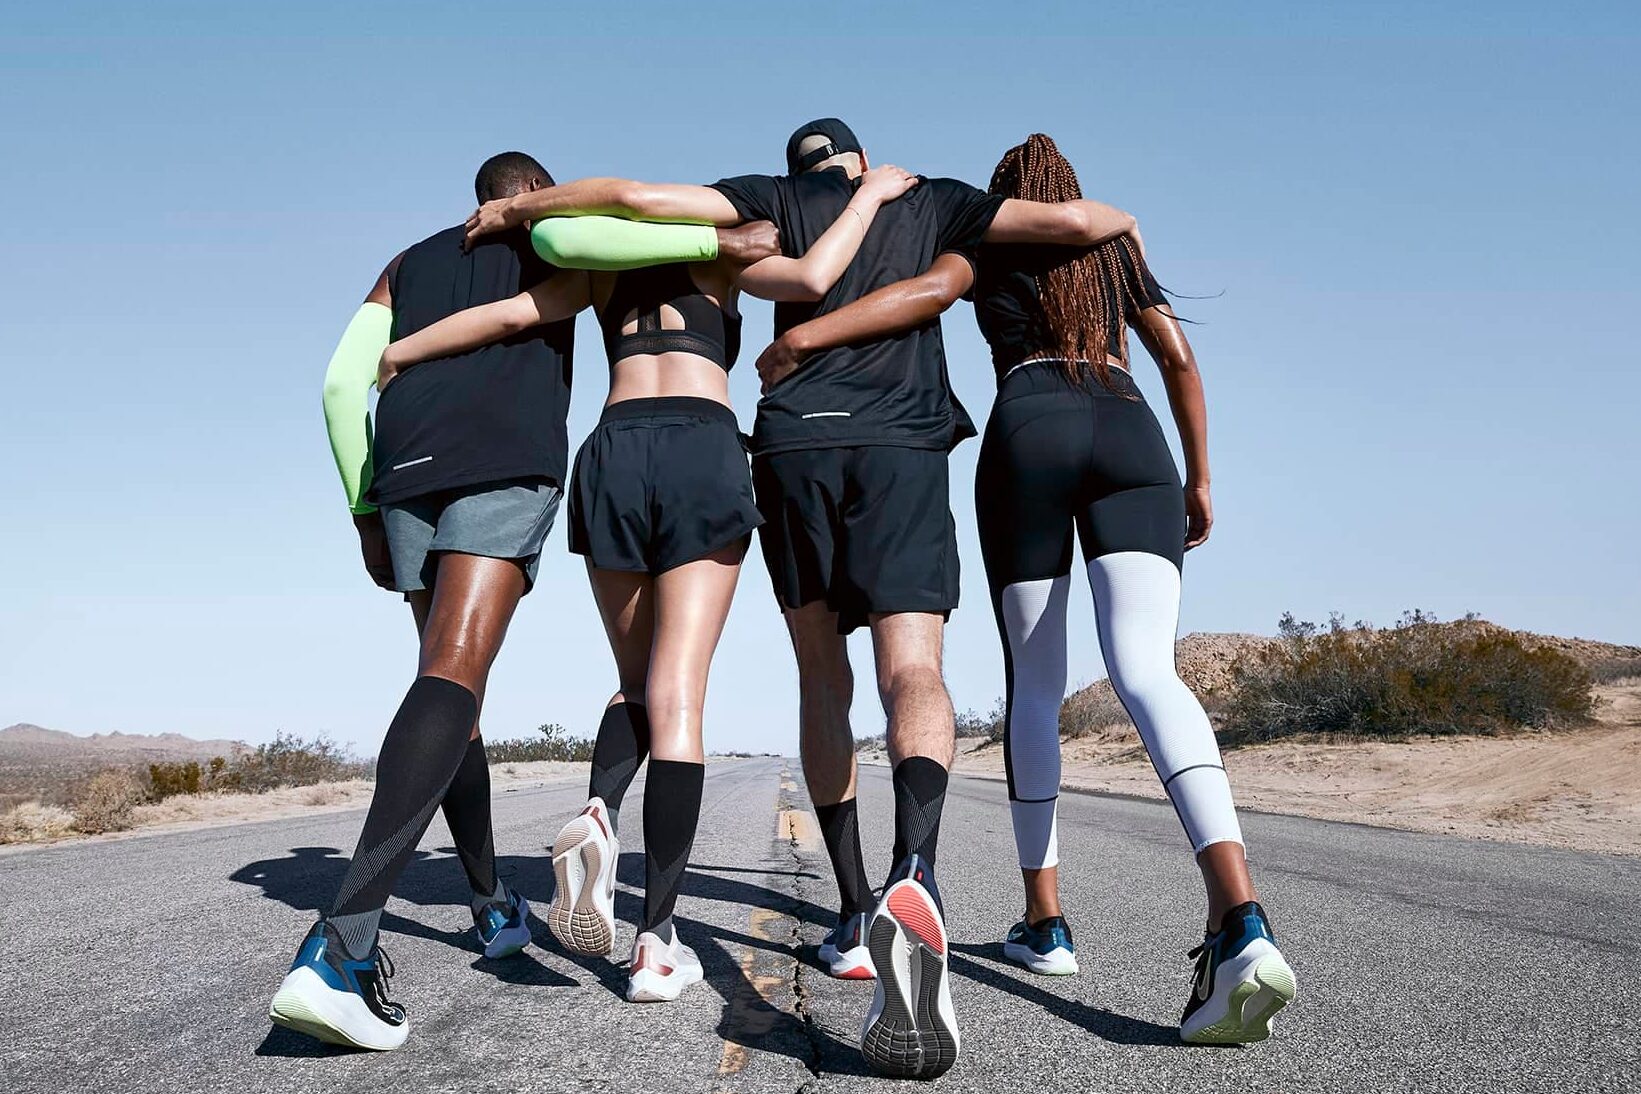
pixel 1034 624
pixel 1136 605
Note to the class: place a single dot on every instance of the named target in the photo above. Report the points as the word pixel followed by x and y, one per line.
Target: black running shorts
pixel 658 483
pixel 867 530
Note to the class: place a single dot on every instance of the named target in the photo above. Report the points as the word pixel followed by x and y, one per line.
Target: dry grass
pixel 32 822
pixel 323 794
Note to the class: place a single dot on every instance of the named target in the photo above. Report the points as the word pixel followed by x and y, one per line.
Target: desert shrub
pixel 971 723
pixel 30 821
pixel 1419 676
pixel 1090 710
pixel 104 802
pixel 169 779
pixel 555 743
pixel 288 760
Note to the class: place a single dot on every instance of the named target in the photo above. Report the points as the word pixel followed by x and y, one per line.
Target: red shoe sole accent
pixel 854 974
pixel 915 912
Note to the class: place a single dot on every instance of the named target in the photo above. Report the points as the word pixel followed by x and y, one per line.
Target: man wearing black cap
pixel 851 474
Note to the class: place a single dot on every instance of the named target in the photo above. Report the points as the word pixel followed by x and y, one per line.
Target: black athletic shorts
pixel 867 530
pixel 658 483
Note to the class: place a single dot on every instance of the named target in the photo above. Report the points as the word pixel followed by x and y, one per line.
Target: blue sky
pixel 1415 226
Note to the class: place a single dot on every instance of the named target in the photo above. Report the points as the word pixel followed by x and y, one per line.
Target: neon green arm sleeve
pixel 610 243
pixel 348 380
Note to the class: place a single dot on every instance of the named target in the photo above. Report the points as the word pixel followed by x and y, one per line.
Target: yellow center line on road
pixel 752 1011
pixel 797 826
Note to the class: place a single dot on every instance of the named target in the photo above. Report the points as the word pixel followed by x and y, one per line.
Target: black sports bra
pixel 1009 311
pixel 708 332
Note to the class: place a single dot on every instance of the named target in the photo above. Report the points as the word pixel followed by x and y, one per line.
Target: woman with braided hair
pixel 1072 447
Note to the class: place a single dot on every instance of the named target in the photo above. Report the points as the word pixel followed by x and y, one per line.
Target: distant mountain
pixel 26 743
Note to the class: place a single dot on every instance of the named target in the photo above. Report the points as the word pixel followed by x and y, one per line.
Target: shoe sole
pixel 305 1004
pixel 898 1042
pixel 573 916
pixel 510 940
pixel 1056 963
pixel 649 987
pixel 1251 1006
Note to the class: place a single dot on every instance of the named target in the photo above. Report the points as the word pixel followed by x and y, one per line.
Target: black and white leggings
pixel 1056 457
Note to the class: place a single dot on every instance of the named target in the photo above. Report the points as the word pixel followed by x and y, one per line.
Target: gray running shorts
pixel 490 519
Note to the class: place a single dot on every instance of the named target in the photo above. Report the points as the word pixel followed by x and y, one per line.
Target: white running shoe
pixel 911 1029
pixel 582 914
pixel 660 971
pixel 845 953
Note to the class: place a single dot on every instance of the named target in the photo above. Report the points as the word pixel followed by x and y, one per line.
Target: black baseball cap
pixel 839 137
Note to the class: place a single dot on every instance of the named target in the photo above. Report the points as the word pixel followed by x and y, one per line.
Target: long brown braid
pixel 1082 299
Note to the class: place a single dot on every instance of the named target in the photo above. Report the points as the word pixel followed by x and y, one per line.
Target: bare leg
pixel 1224 867
pixel 421 603
pixel 691 603
pixel 907 648
pixel 626 601
pixel 1042 893
pixel 921 731
pixel 826 690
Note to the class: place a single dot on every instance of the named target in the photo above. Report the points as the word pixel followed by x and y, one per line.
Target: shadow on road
pixel 307 878
pixel 1107 1025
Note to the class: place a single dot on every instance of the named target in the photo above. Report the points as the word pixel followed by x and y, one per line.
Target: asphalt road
pixel 1425 963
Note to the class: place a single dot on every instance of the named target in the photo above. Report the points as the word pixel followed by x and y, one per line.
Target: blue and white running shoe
pixel 1241 982
pixel 504 926
pixel 1044 947
pixel 339 1000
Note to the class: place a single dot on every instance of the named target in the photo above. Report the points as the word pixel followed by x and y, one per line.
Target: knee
pixel 910 679
pixel 456 656
pixel 824 669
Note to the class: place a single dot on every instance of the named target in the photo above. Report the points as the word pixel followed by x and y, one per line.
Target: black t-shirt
pixel 1009 310
pixel 488 415
pixel 894 391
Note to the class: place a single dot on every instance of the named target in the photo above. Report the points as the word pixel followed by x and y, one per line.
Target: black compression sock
pixel 420 754
pixel 840 828
pixel 467 812
pixel 672 806
pixel 920 793
pixel 623 742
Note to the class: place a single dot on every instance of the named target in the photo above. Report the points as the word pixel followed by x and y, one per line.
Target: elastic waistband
pixel 670 406
pixel 1046 374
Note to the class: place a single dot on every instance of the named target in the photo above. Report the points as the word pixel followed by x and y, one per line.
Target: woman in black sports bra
pixel 661 507
pixel 1073 455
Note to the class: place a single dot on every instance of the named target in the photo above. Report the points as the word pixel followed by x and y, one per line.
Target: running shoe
pixel 1044 947
pixel 582 914
pixel 911 1029
pixel 1241 982
pixel 845 952
pixel 660 970
pixel 329 995
pixel 503 926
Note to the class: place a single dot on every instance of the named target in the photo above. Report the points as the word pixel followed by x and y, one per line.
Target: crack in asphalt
pixel 800 988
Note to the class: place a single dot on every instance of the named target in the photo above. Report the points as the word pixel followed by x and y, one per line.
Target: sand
pixel 1578 788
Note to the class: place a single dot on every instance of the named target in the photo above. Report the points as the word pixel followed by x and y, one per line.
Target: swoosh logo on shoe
pixel 1205 981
